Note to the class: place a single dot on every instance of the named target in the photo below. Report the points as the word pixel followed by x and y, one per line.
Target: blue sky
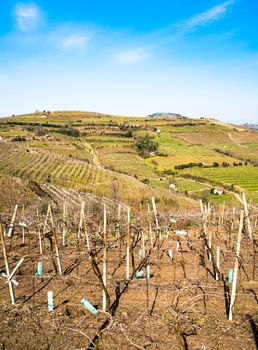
pixel 197 58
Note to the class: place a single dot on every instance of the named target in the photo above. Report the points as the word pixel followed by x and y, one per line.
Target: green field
pixel 243 178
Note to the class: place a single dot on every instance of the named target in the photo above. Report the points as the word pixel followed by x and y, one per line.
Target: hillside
pixel 108 156
pixel 105 243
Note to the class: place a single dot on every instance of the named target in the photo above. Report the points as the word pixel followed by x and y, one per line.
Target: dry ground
pixel 180 307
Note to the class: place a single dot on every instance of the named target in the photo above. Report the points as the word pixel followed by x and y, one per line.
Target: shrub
pixel 225 164
pixel 146 181
pixel 129 133
pixel 145 144
pixel 169 172
pixel 19 138
pixel 70 132
pixel 160 154
pixel 188 165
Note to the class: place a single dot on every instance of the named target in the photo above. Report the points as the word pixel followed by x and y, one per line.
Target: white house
pixel 218 190
pixel 172 187
pixel 30 150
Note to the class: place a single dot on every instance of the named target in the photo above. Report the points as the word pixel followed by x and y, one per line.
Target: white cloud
pixel 27 16
pixel 132 56
pixel 75 41
pixel 212 15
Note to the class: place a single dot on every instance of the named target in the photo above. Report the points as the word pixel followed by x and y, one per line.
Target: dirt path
pixel 235 141
pixel 93 153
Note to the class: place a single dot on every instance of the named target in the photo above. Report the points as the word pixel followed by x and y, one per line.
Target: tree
pixel 145 145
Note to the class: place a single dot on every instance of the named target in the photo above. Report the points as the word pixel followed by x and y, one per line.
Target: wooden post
pixel 39 233
pixel 55 242
pixel 147 292
pixel 57 253
pixel 86 233
pixel 105 258
pixel 223 212
pixel 155 216
pixel 118 221
pixel 23 221
pixel 150 228
pixel 81 220
pixel 7 266
pixel 247 218
pixel 209 209
pixel 45 222
pixel 205 211
pixel 64 222
pixel 128 245
pixel 10 233
pixel 218 262
pixel 14 270
pixel 142 237
pixel 143 248
pixel 233 219
pixel 48 215
pixel 233 292
pixel 209 242
pixel 201 207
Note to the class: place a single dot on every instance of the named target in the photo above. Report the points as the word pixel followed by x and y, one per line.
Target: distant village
pixel 250 126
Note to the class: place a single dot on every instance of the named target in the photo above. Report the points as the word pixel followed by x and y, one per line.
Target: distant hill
pixel 176 159
pixel 167 115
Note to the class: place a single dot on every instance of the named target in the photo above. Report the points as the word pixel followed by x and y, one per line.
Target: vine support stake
pixel 128 244
pixel 247 218
pixel 7 266
pixel 233 292
pixel 105 259
pixel 10 232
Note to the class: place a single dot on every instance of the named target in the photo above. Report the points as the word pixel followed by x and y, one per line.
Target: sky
pixel 133 58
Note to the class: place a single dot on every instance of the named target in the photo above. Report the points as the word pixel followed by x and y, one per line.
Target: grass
pixel 243 178
pixel 227 197
pixel 183 185
pixel 126 160
pixel 181 152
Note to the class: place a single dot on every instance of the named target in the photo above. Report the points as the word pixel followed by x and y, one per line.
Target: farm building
pixel 218 190
pixel 30 150
pixel 51 138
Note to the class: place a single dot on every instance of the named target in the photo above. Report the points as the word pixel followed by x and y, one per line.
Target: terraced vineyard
pixel 183 185
pixel 243 178
pixel 48 167
pixel 180 152
pixel 128 161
